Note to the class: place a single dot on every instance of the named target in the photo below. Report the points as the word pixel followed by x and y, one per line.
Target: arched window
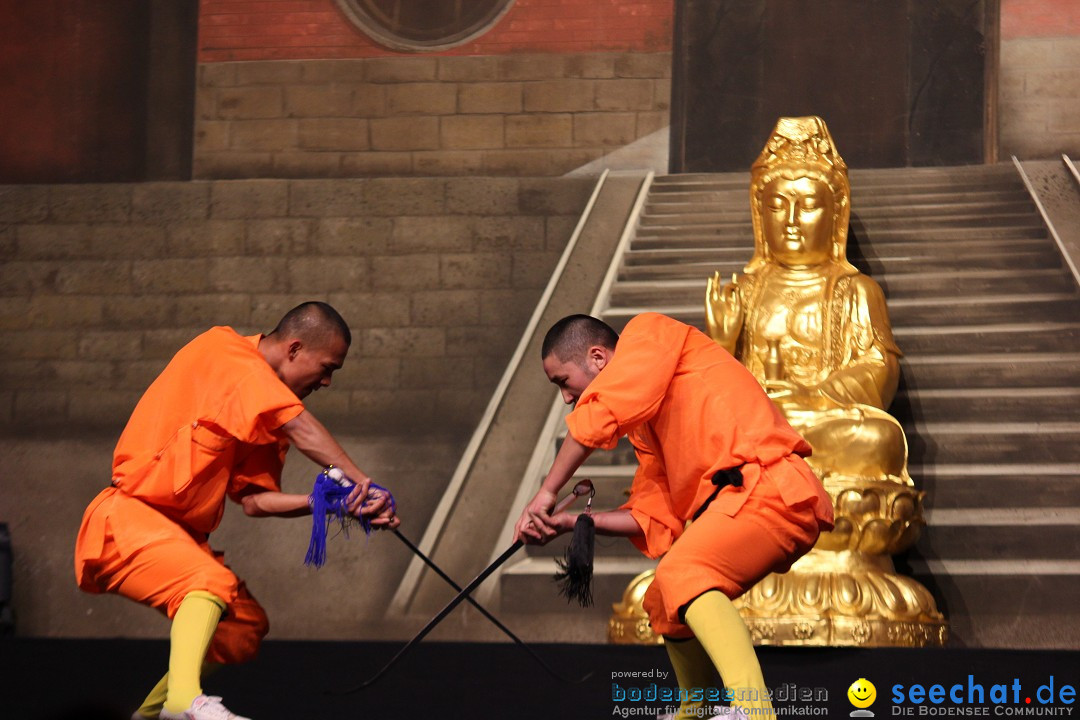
pixel 424 25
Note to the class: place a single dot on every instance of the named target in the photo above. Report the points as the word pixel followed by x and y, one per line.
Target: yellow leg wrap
pixel 153 703
pixel 193 627
pixel 693 669
pixel 151 706
pixel 722 633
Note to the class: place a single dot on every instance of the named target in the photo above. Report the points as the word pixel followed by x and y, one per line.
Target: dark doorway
pixel 96 91
pixel 899 82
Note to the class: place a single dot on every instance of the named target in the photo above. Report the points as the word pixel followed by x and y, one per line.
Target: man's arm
pixel 535 521
pixel 311 437
pixel 619 523
pixel 268 503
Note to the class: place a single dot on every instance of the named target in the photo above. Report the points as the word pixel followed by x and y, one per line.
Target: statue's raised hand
pixel 723 311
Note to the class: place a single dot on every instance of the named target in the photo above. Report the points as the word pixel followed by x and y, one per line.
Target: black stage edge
pixel 92 679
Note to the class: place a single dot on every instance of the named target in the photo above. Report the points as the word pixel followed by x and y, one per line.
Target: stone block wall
pixel 426 116
pixel 1039 87
pixel 1039 106
pixel 101 284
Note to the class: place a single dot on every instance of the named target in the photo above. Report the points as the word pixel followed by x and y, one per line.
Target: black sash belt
pixel 722 478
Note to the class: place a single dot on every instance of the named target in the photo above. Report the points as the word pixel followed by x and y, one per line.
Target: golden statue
pixel 815 332
pixel 804 321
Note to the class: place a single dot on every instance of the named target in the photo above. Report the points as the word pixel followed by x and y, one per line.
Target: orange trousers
pixel 728 553
pixel 129 548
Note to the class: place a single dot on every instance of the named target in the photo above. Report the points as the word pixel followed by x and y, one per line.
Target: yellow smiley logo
pixel 862 693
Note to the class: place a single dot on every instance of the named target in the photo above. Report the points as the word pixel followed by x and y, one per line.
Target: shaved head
pixel 571 337
pixel 314 323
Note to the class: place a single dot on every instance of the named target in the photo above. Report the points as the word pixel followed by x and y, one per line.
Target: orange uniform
pixel 205 429
pixel 690 409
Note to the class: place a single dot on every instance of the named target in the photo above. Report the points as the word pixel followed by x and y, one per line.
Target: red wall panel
pixel 1039 18
pixel 313 29
pixel 73 83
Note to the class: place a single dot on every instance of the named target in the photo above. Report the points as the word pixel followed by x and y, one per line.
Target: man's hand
pixel 372 504
pixel 563 522
pixel 311 438
pixel 386 520
pixel 535 526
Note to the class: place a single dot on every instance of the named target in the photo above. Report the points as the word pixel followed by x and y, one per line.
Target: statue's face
pixel 798 220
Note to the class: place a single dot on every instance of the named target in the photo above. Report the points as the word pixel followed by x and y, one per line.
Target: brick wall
pixel 428 116
pixel 290 88
pixel 1039 90
pixel 101 284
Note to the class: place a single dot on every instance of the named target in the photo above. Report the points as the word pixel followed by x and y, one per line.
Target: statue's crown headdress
pixel 800 140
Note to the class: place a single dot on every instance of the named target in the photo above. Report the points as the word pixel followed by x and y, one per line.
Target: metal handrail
pixel 544 452
pixel 403 596
pixel 1046 219
pixel 1072 167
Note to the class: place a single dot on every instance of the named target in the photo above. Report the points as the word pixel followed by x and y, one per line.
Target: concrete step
pixel 707 198
pixel 948 454
pixel 961 587
pixel 988 442
pixel 861 193
pixel 1037 335
pixel 990 370
pixel 1018 484
pixel 664 268
pixel 999 471
pixel 1002 175
pixel 975 309
pixel 895 285
pixel 906 312
pixel 1002 171
pixel 1035 235
pixel 1007 339
pixel 866 223
pixel 973 256
pixel 1006 533
pixel 1001 533
pixel 973 588
pixel 738 233
pixel 528 587
pixel 701 214
pixel 1003 404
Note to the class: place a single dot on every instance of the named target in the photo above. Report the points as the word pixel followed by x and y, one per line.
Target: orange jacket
pixel 207 427
pixel 690 409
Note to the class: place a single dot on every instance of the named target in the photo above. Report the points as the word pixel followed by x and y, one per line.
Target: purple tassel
pixel 328 506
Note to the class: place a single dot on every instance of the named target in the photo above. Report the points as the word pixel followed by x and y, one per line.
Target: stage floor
pixel 91 679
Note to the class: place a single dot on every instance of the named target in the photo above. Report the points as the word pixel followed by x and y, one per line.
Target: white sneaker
pixel 204 707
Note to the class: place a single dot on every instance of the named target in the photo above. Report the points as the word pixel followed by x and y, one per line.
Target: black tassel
pixel 576 568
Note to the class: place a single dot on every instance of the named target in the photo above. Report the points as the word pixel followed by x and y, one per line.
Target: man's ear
pixel 294 348
pixel 599 356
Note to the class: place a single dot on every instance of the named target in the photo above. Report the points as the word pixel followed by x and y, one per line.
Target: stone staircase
pixel 988 317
